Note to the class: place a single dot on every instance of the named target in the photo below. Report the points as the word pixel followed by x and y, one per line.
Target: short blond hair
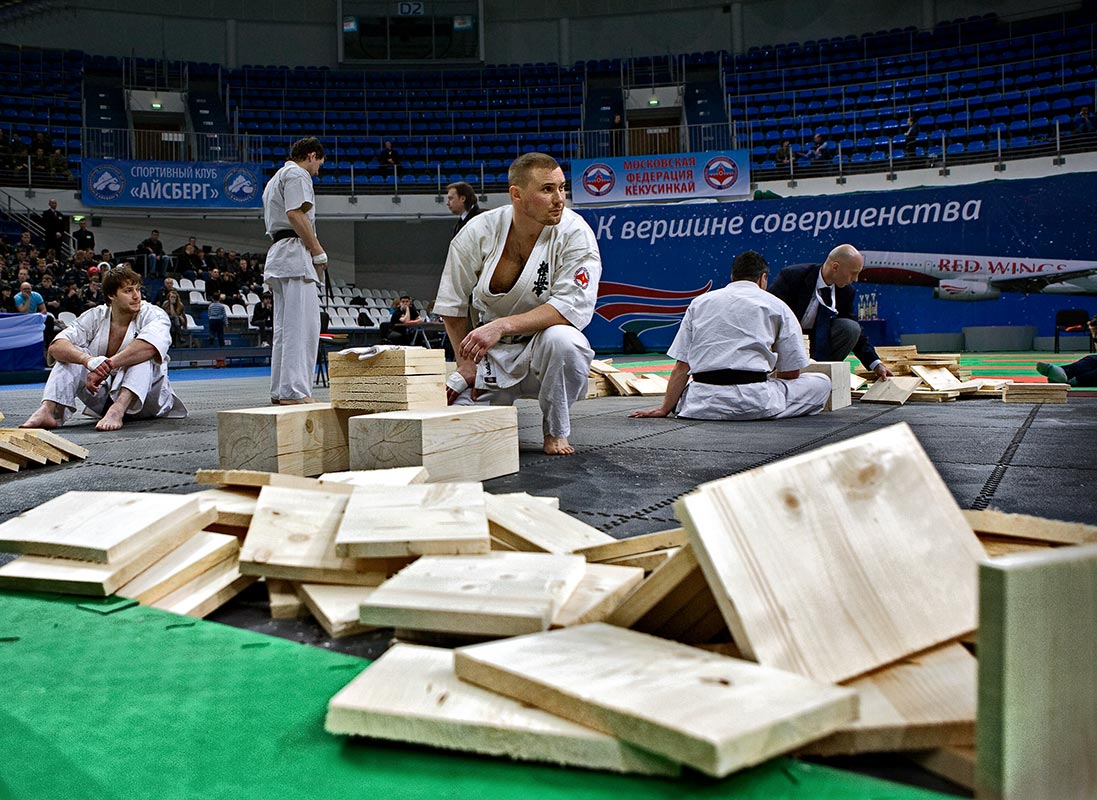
pixel 521 167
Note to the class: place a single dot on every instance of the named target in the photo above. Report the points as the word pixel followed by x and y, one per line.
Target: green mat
pixel 139 703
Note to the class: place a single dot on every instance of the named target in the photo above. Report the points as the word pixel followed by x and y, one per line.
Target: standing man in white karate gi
pixel 532 271
pixel 114 358
pixel 730 342
pixel 294 265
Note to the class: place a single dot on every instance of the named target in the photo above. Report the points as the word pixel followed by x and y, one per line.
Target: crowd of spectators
pixel 37 159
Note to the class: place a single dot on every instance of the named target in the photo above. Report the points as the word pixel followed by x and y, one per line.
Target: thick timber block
pixel 839 374
pixel 299 440
pixel 410 361
pixel 454 444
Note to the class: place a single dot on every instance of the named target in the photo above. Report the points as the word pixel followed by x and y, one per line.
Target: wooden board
pixel 397 476
pixel 956 764
pixel 292 536
pixel 893 391
pixel 620 383
pixel 838 561
pixel 15 449
pixel 283 599
pixel 59 442
pixel 408 361
pixel 196 555
pixel 336 607
pixel 1037 693
pixel 714 713
pixel 647 385
pixel 234 507
pixel 926 700
pixel 69 576
pixel 497 594
pixel 252 479
pixel 602 366
pixel 297 440
pixel 208 592
pixel 104 527
pixel 27 440
pixel 939 379
pixel 1023 526
pixel 932 396
pixel 840 386
pixel 634 545
pixel 653 591
pixel 600 591
pixel 648 562
pixel 411 694
pixel 454 444
pixel 417 520
pixel 535 526
pixel 1035 393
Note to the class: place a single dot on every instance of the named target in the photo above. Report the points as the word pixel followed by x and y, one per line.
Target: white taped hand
pixel 322 258
pixel 457 382
pixel 364 353
pixel 95 362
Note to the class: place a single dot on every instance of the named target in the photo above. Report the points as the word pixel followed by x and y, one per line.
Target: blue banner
pixel 21 342
pixel 1017 250
pixel 171 184
pixel 680 176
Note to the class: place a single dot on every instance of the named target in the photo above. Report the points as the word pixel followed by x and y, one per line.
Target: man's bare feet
pixel 113 419
pixel 44 417
pixel 295 401
pixel 558 446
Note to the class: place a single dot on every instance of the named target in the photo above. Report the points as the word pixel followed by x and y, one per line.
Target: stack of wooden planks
pixel 823 596
pixel 30 447
pixel 151 548
pixel 1036 393
pixel 606 380
pixel 393 380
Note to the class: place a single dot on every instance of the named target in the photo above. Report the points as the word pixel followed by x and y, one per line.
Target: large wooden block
pixel 411 694
pixel 299 440
pixel 460 443
pixel 497 594
pixel 416 520
pixel 714 713
pixel 839 374
pixel 104 527
pixel 1037 693
pixel 389 393
pixel 408 361
pixel 292 537
pixel 839 561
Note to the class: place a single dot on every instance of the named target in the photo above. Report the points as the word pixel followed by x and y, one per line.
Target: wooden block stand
pixel 455 444
pixel 297 440
pixel 394 380
pixel 839 374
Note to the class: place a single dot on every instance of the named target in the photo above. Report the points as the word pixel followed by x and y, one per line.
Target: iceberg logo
pixel 241 185
pixel 106 183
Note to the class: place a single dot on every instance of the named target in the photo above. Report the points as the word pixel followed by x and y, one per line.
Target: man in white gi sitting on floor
pixel 532 270
pixel 731 340
pixel 114 358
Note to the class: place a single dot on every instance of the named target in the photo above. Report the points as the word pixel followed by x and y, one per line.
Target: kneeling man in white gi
pixel 114 358
pixel 532 270
pixel 730 342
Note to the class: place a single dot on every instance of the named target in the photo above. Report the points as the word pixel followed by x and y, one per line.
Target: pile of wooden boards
pixel 393 380
pixel 150 548
pixel 824 594
pixel 31 447
pixel 606 380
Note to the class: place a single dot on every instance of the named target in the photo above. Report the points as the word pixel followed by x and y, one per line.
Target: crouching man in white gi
pixel 532 270
pixel 114 358
pixel 731 340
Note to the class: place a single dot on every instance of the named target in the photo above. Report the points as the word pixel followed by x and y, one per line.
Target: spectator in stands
pixel 177 315
pixel 40 141
pixel 152 251
pixel 29 301
pixel 192 242
pixel 187 261
pixel 785 153
pixel 106 257
pixel 51 295
pixel 819 148
pixel 72 300
pixel 262 317
pixel 59 165
pixel 461 200
pixel 166 289
pixel 114 375
pixel 215 284
pixel 1083 124
pixel 40 163
pixel 19 155
pixel 218 315
pixel 7 302
pixel 53 225
pixel 405 318
pixel 85 239
pixel 93 292
pixel 1082 372
pixel 218 259
pixel 388 157
pixel 910 135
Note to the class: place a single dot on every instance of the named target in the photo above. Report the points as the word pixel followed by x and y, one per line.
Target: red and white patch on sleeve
pixel 582 277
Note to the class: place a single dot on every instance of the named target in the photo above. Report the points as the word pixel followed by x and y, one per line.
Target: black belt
pixel 287 233
pixel 730 377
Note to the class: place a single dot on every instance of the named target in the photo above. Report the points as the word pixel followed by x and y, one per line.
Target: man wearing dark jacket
pixel 461 200
pixel 821 296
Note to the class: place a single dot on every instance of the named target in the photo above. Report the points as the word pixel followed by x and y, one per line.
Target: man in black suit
pixel 821 296
pixel 461 200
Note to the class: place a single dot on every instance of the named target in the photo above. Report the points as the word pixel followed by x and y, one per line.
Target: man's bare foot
pixel 558 446
pixel 42 418
pixel 295 401
pixel 113 419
